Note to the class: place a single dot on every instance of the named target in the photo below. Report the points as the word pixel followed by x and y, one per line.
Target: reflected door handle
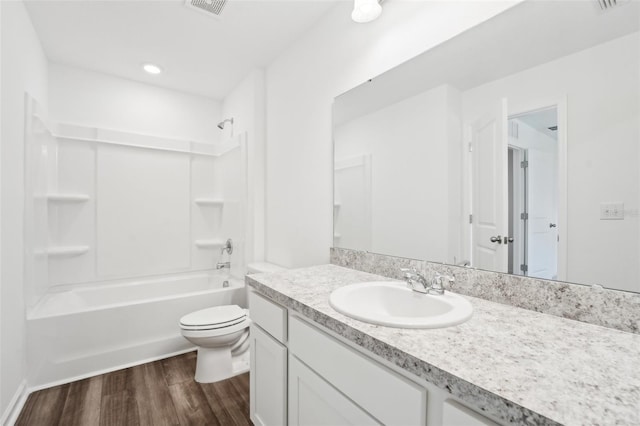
pixel 508 240
pixel 552 225
pixel 497 239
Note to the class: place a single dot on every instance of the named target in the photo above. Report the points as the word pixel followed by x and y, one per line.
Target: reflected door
pixel 542 201
pixel 489 190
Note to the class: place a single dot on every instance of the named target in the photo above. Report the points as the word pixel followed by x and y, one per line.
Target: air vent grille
pixel 210 7
pixel 608 4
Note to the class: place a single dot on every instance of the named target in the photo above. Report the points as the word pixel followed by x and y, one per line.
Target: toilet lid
pixel 220 316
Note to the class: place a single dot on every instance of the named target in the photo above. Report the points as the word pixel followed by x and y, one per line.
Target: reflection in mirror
pixel 514 147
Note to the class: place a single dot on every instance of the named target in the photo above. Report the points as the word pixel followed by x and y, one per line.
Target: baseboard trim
pixel 12 412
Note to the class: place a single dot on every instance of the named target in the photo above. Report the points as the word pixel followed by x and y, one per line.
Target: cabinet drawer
pixel 268 315
pixel 387 396
pixel 455 414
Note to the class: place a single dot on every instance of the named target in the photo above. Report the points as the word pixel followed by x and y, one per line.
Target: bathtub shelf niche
pixel 67 251
pixel 67 198
pixel 205 201
pixel 209 244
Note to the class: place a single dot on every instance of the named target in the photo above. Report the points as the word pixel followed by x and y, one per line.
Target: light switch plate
pixel 611 211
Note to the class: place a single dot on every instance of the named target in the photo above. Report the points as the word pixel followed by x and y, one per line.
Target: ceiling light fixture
pixel 152 69
pixel 365 10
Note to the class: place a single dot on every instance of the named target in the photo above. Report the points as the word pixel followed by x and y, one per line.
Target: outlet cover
pixel 611 211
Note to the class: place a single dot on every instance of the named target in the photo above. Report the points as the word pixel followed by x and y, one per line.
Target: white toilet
pixel 221 334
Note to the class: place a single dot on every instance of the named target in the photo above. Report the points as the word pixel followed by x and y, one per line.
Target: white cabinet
pixel 270 316
pixel 383 394
pixel 456 414
pixel 301 374
pixel 268 379
pixel 313 401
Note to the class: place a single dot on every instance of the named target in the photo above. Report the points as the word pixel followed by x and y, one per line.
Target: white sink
pixel 393 304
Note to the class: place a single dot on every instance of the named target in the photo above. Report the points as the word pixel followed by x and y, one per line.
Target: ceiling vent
pixel 608 4
pixel 212 8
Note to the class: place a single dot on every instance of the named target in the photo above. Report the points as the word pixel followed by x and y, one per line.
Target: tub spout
pixel 221 265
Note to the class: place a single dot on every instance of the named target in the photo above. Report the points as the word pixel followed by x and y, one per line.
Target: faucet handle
pixel 436 284
pixel 228 246
pixel 409 273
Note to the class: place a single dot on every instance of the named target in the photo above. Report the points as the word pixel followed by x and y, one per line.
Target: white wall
pixel 246 104
pixel 94 99
pixel 24 68
pixel 419 208
pixel 602 134
pixel 334 56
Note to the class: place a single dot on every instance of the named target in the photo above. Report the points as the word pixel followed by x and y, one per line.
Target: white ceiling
pixel 200 54
pixel 529 34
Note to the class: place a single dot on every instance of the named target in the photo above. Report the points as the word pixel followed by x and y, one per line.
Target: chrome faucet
pixel 413 277
pixel 435 286
pixel 228 247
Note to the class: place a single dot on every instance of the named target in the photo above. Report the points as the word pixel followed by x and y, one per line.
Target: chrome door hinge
pixel 524 164
pixel 524 216
pixel 470 218
pixel 524 268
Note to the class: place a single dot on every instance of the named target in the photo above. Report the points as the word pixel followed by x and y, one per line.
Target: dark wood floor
pixel 158 393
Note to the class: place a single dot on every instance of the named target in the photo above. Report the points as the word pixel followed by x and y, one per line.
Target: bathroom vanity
pixel 505 365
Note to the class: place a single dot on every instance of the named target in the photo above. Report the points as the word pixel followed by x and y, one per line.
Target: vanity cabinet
pixel 380 394
pixel 268 378
pixel 301 375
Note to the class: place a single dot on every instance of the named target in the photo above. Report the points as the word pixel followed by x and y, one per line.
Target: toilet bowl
pixel 221 334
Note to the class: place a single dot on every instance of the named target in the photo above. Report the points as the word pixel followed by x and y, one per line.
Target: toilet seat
pixel 225 319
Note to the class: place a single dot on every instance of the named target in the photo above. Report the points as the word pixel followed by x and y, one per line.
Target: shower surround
pixel 123 232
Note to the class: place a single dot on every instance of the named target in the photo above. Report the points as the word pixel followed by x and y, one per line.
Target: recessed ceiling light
pixel 366 10
pixel 152 69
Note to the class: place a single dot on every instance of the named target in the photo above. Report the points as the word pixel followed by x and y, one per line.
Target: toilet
pixel 221 334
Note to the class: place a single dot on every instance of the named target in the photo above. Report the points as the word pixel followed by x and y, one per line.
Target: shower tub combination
pixel 84 331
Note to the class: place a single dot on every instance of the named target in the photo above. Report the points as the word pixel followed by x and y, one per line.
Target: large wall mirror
pixel 513 147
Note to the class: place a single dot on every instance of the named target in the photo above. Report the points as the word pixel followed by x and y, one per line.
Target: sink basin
pixel 393 304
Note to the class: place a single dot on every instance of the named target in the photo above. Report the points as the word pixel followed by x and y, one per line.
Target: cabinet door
pixel 313 401
pixel 268 379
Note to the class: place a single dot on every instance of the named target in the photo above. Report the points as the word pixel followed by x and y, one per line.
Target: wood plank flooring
pixel 158 393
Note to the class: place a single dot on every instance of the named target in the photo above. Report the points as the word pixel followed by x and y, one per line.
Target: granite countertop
pixel 520 366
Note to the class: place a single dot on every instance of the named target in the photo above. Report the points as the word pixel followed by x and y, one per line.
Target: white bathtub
pixel 85 331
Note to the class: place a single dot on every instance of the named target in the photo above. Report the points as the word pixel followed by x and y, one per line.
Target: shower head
pixel 222 123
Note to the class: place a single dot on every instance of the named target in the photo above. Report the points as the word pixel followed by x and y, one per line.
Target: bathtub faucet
pixel 228 246
pixel 221 265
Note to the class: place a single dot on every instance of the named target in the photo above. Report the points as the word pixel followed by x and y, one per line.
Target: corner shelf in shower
pixel 215 202
pixel 207 244
pixel 67 198
pixel 67 251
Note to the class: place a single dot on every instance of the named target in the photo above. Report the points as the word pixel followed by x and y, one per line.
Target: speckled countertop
pixel 520 366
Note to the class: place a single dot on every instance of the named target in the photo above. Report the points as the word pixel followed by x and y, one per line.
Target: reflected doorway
pixel 533 193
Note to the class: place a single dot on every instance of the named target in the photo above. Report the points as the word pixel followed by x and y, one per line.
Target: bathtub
pixel 83 331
